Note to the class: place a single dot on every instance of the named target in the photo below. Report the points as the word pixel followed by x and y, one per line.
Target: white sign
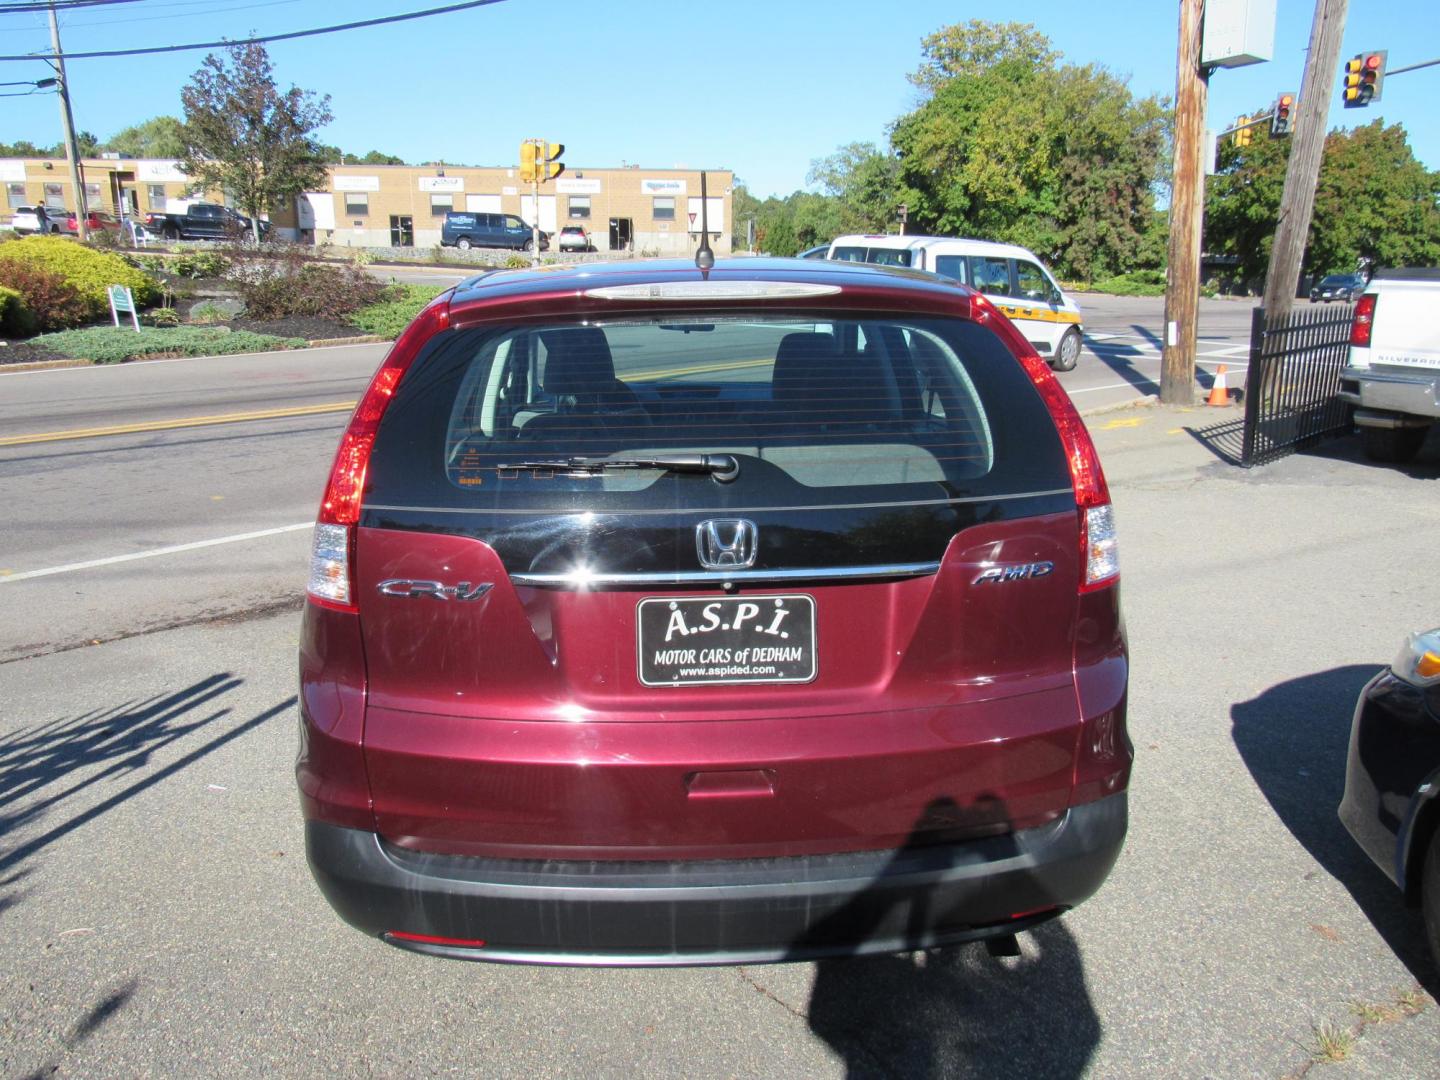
pixel 442 183
pixel 357 183
pixel 12 172
pixel 159 172
pixel 662 187
pixel 121 300
pixel 585 186
pixel 716 210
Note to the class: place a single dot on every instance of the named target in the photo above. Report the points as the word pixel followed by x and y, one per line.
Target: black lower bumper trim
pixel 721 911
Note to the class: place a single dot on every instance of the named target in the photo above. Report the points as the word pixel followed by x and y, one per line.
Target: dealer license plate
pixel 689 641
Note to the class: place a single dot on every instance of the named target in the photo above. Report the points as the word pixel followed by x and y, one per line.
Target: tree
pixel 1012 144
pixel 246 136
pixel 865 184
pixel 1375 204
pixel 159 137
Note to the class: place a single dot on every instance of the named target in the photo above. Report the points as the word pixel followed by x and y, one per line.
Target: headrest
pixel 577 362
pixel 800 361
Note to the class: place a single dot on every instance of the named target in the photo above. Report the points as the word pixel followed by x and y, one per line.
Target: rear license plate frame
pixel 724 647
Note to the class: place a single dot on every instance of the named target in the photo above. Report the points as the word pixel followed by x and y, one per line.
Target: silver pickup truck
pixel 1393 378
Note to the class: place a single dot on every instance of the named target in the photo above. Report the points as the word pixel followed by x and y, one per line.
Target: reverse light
pixel 1364 322
pixel 1419 661
pixel 331 570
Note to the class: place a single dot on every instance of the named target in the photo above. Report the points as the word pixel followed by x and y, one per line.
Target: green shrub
pixel 393 313
pixel 208 314
pixel 84 269
pixel 50 300
pixel 517 262
pixel 163 316
pixel 16 319
pixel 199 264
pixel 1135 283
pixel 110 345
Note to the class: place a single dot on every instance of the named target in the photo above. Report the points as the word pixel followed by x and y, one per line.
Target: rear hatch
pixel 850 627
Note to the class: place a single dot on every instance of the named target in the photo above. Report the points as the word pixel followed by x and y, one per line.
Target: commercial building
pixel 645 211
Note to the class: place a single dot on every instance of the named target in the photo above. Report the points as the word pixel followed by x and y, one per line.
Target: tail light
pixel 1364 321
pixel 1099 550
pixel 331 553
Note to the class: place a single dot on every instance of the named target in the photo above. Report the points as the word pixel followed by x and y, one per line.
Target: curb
pixel 1146 402
pixel 80 361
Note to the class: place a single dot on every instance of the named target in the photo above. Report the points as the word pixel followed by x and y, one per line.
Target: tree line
pixel 1010 143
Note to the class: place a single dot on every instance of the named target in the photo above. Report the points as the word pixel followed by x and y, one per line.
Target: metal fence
pixel 1294 376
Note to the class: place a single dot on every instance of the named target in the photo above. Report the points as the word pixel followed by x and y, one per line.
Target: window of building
pixel 16 194
pixel 664 208
pixel 440 205
pixel 54 197
pixel 92 196
pixel 357 204
pixel 155 193
pixel 580 206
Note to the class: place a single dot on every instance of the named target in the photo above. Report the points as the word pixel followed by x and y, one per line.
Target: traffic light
pixel 550 165
pixel 529 158
pixel 1364 78
pixel 1281 120
pixel 1243 136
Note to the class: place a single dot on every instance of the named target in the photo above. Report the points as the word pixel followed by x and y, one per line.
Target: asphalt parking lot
pixel 157 917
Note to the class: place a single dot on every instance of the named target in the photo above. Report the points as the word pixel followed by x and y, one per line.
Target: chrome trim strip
pixel 583 579
pixel 700 513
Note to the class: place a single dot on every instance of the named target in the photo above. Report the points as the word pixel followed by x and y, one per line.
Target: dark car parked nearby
pixel 204 221
pixel 660 616
pixel 1392 778
pixel 1338 287
pixel 467 230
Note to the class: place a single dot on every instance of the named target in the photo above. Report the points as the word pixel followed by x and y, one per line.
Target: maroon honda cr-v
pixel 668 616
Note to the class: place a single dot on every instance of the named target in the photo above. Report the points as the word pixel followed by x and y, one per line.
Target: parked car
pixel 95 221
pixel 1013 277
pixel 667 617
pixel 1337 287
pixel 1392 776
pixel 1393 376
pixel 36 219
pixel 575 238
pixel 466 230
pixel 819 251
pixel 203 221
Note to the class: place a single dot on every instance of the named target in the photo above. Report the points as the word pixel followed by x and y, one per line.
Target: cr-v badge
pixel 998 575
pixel 436 589
pixel 726 543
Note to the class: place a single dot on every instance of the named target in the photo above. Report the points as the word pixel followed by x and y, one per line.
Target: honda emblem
pixel 726 543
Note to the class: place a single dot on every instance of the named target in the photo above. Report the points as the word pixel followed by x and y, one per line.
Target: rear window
pixel 876 255
pixel 815 411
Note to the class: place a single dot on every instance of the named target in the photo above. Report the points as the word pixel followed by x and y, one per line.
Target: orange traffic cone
pixel 1219 393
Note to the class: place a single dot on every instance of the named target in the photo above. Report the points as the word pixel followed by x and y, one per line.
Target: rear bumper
pixel 719 911
pixel 1416 395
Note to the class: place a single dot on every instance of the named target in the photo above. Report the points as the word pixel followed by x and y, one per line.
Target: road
pixel 156 916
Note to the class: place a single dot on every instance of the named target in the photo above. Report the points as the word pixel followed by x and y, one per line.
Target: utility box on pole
pixel 1237 32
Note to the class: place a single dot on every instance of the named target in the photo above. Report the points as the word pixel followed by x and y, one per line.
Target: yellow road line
pixel 704 369
pixel 170 425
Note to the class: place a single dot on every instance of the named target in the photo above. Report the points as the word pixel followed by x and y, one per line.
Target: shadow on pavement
pixel 1148 334
pixel 1117 358
pixel 46 767
pixel 952 1011
pixel 1294 739
pixel 94 1018
pixel 1226 439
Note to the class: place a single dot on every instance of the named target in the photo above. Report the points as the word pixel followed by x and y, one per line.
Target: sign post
pixel 121 300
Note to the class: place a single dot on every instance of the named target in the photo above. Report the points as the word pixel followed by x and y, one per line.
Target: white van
pixel 1017 282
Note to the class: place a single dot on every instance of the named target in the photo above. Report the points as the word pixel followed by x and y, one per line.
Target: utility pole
pixel 1187 208
pixel 72 151
pixel 1306 149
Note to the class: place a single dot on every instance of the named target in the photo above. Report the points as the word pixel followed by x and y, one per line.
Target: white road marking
pixel 173 549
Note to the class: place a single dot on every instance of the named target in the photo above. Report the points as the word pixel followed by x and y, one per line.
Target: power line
pixel 40 7
pixel 208 13
pixel 225 44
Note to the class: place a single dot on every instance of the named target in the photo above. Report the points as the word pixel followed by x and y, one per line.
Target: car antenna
pixel 704 258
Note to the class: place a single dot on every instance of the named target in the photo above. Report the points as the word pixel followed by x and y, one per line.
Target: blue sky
pixel 762 88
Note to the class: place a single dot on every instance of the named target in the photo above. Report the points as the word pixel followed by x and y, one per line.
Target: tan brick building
pixel 647 211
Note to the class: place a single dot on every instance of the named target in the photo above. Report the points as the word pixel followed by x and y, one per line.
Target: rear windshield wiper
pixel 723 467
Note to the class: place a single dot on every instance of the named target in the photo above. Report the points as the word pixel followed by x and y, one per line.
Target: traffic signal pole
pixel 1187 204
pixel 1297 203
